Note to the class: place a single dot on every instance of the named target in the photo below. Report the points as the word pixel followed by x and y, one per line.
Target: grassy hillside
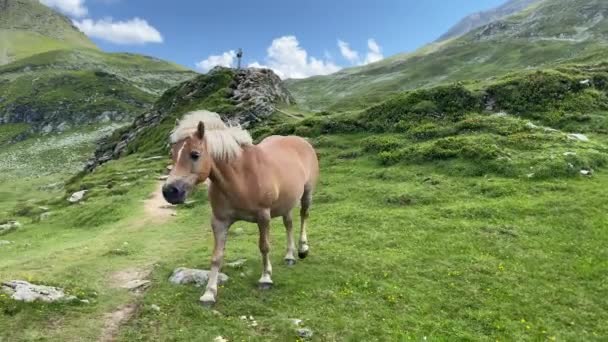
pixel 437 217
pixel 52 77
pixel 27 28
pixel 546 35
pixel 73 87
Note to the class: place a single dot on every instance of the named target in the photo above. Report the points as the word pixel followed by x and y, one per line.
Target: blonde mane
pixel 223 142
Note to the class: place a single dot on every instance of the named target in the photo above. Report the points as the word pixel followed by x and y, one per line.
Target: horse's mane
pixel 224 142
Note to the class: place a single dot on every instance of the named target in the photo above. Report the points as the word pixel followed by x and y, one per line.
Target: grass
pixel 407 251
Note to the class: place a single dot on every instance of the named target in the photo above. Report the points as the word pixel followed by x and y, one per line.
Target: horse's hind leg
pixel 265 281
pixel 290 258
pixel 306 202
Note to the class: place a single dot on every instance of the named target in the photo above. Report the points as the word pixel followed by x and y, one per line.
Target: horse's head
pixel 191 165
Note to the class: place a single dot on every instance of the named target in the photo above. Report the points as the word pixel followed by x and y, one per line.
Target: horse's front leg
pixel 265 281
pixel 220 232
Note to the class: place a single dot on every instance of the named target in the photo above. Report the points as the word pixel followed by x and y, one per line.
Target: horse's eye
pixel 195 155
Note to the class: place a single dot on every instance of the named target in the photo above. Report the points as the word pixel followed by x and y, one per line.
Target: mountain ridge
pixel 478 19
pixel 28 27
pixel 550 33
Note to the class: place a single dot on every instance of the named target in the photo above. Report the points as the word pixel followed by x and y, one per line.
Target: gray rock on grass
pixel 77 196
pixel 9 227
pixel 24 291
pixel 183 275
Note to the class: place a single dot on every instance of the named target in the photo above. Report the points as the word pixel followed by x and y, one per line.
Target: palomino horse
pixel 249 182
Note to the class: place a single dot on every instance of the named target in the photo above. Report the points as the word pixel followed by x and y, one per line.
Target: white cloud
pixel 74 8
pixel 374 54
pixel 226 59
pixel 132 31
pixel 348 53
pixel 289 60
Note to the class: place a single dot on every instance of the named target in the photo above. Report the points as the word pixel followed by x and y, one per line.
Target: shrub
pixel 381 143
pixel 430 130
pixel 439 103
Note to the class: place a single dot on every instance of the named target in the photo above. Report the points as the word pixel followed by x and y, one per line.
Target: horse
pixel 247 182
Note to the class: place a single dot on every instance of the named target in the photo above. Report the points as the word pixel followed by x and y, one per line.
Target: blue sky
pixel 190 31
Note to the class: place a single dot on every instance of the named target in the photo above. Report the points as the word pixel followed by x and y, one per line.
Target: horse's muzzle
pixel 175 193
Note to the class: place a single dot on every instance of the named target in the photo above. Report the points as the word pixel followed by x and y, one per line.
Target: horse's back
pixel 292 153
pixel 290 170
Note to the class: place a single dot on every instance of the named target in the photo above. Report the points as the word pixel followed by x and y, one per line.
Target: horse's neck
pixel 227 176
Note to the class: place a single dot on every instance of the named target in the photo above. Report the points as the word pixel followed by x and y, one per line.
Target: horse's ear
pixel 200 130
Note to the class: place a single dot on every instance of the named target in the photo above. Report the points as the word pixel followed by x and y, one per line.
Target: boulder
pixel 9 227
pixel 304 333
pixel 578 137
pixel 24 291
pixel 77 196
pixel 184 276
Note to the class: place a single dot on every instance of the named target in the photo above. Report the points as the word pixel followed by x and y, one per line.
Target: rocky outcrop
pixel 253 95
pixel 256 92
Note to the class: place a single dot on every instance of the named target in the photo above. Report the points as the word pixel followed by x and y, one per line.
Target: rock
pixel 586 172
pixel 585 82
pixel 237 263
pixel 184 275
pixel 531 125
pixel 569 154
pixel 578 137
pixel 9 227
pixel 85 301
pixel 296 321
pixel 220 339
pixel 304 333
pixel 45 216
pixel 24 291
pixel 77 196
pixel 163 178
pixel 155 307
pixel 5 242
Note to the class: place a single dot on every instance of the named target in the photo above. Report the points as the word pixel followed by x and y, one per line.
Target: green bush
pixel 381 143
pixel 439 103
pixel 430 130
pixel 537 92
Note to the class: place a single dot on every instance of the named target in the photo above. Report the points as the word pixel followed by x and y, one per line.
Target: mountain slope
pixel 475 20
pixel 58 79
pixel 553 32
pixel 27 27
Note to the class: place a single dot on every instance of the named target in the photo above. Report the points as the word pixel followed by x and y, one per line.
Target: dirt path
pixel 156 208
pixel 135 280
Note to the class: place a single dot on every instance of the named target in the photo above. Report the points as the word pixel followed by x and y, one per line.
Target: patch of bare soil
pixel 136 281
pixel 113 321
pixel 156 208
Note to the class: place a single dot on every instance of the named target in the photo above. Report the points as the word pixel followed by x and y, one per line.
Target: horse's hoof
pixel 303 255
pixel 290 262
pixel 265 286
pixel 207 301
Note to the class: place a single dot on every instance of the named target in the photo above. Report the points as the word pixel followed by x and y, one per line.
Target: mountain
pixel 56 78
pixel 475 20
pixel 27 27
pixel 547 34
